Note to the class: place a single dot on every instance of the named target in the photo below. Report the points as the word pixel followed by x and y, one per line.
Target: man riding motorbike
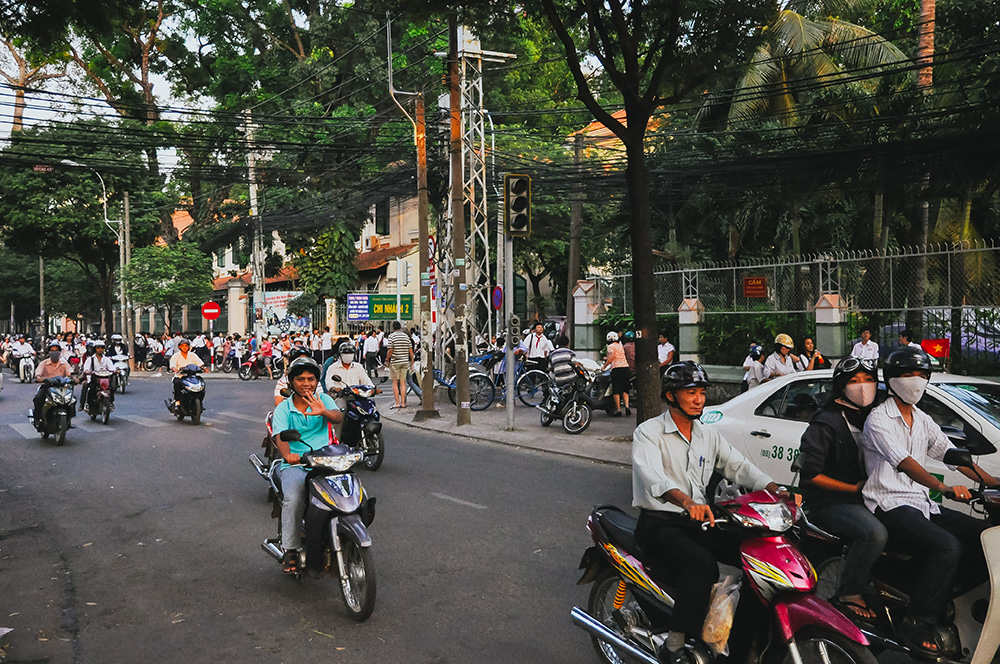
pixel 833 475
pixel 350 373
pixel 96 363
pixel 897 440
pixel 178 361
pixel 673 457
pixel 282 383
pixel 310 413
pixel 53 365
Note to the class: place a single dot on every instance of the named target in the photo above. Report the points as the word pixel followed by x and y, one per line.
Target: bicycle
pixel 481 388
pixel 530 384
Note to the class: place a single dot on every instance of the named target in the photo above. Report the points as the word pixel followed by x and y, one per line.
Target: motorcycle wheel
pixel 148 364
pixel 532 387
pixel 577 418
pixel 93 417
pixel 245 373
pixel 358 591
pixel 481 392
pixel 227 366
pixel 600 605
pixel 828 577
pixel 196 412
pixel 820 645
pixel 62 424
pixel 105 413
pixel 24 376
pixel 122 383
pixel 545 419
pixel 374 446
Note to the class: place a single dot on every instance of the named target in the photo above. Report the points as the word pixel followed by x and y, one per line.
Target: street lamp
pixel 116 231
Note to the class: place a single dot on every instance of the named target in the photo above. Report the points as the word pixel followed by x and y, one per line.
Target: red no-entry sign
pixel 211 310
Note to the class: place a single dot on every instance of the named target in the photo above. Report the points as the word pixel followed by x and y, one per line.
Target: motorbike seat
pixel 620 528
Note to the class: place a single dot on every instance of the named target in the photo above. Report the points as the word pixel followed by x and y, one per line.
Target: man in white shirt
pixel 539 348
pixel 897 440
pixel 179 361
pixel 782 361
pixel 866 349
pixel 92 364
pixel 906 339
pixel 326 344
pixel 370 350
pixel 665 352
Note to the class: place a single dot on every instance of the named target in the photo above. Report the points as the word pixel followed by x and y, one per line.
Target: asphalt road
pixel 140 541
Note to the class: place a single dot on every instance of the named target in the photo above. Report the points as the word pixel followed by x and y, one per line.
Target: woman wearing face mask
pixel 833 474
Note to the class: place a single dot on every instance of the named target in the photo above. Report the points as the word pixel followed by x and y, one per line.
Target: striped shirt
pixel 399 348
pixel 562 359
pixel 886 442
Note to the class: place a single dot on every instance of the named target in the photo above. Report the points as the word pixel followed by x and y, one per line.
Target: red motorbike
pixel 628 613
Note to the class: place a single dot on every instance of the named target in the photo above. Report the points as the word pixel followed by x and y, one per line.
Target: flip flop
pixel 853 610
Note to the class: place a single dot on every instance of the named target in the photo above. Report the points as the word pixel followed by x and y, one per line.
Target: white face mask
pixel 909 389
pixel 347 358
pixel 861 395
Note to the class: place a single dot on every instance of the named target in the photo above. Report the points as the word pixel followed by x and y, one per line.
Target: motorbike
pixel 122 372
pixel 251 367
pixel 58 409
pixel 361 428
pixel 567 403
pixel 25 366
pixel 974 612
pixel 628 613
pixel 599 394
pixel 336 521
pixel 192 401
pixel 101 387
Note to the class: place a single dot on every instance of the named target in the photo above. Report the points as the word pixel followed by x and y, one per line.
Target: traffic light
pixel 517 205
pixel 406 273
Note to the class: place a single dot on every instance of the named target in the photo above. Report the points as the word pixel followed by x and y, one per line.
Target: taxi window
pixel 984 398
pixel 797 401
pixel 942 415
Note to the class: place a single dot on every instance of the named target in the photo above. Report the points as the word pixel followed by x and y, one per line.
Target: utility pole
pixel 258 237
pixel 41 298
pixel 426 378
pixel 575 230
pixel 129 327
pixel 458 230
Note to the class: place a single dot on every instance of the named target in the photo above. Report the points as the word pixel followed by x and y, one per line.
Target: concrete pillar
pixel 587 306
pixel 689 316
pixel 236 310
pixel 184 319
pixel 831 328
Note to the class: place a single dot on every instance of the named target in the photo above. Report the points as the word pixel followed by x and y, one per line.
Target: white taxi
pixel 766 423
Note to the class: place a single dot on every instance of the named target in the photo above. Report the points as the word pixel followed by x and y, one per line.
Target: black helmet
pixel 346 347
pixel 295 353
pixel 847 368
pixel 301 365
pixel 683 374
pixel 904 359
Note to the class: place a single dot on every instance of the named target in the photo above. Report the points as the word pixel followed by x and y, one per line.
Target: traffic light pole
pixel 512 326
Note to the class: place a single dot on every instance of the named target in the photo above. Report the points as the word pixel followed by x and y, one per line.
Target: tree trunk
pixel 959 284
pixel 647 376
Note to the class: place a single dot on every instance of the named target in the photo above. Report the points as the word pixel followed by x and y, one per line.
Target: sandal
pixel 290 562
pixel 853 610
pixel 922 637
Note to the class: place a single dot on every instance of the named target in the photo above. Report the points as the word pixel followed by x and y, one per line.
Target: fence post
pixel 831 332
pixel 689 316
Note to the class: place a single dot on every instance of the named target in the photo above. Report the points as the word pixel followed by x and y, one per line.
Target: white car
pixel 766 423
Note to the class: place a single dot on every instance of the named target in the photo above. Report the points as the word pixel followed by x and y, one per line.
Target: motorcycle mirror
pixel 957 457
pixel 289 435
pixel 285 392
pixel 337 378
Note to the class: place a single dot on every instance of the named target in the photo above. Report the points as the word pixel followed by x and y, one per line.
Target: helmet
pixel 116 337
pixel 182 341
pixel 346 347
pixel 612 337
pixel 683 374
pixel 904 359
pixel 784 340
pixel 99 343
pixel 847 368
pixel 89 348
pixel 302 365
pixel 628 336
pixel 295 353
pixel 755 352
pixel 55 345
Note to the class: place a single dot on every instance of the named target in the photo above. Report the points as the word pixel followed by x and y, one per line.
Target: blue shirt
pixel 314 430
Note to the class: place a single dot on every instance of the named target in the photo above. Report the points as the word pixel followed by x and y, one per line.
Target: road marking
pixel 259 419
pixel 26 430
pixel 89 427
pixel 466 503
pixel 213 424
pixel 144 421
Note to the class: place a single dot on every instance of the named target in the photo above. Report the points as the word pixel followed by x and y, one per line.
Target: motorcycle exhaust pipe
pixel 258 465
pixel 590 624
pixel 272 548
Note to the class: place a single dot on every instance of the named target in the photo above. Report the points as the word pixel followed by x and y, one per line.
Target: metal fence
pixel 943 291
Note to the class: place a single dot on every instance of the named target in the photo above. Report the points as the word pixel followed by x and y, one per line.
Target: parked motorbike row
pixel 628 611
pixel 574 403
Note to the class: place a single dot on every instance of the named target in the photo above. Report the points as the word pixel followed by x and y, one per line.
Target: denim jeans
pixel 868 537
pixel 948 549
pixel 293 505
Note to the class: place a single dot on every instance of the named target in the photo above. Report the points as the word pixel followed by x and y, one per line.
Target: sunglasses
pixel 854 363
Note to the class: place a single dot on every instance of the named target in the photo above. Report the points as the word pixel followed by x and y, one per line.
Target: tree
pixel 170 276
pixel 653 52
pixel 29 74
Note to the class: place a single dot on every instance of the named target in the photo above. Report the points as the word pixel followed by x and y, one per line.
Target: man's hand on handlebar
pixel 958 493
pixel 784 493
pixel 699 512
pixel 292 458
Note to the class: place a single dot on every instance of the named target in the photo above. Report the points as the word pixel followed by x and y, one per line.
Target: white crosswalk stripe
pixel 213 426
pixel 240 416
pixel 26 430
pixel 144 421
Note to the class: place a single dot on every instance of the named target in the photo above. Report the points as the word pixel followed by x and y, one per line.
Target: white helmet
pixel 612 337
pixel 116 337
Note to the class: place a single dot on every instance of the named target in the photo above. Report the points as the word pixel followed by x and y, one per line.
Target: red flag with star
pixel 939 348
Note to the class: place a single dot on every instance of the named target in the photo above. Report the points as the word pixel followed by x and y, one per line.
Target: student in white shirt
pixel 782 361
pixel 906 339
pixel 898 439
pixel 866 349
pixel 757 373
pixel 665 352
pixel 539 347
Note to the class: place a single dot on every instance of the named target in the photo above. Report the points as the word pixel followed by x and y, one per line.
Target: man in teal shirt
pixel 311 414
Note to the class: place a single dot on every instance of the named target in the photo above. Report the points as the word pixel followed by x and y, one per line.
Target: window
pixel 382 217
pixel 220 257
pixel 797 401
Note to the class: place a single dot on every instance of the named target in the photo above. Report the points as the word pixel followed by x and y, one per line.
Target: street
pixel 140 541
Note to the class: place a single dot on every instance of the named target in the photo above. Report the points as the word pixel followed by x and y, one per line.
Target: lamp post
pixel 118 236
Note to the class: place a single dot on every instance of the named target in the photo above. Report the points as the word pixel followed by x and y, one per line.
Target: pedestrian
pixel 782 361
pixel 747 365
pixel 665 352
pixel 315 341
pixel 267 355
pixel 628 345
pixel 326 344
pixel 141 347
pixel 156 350
pixel 757 373
pixel 400 359
pixel 539 348
pixel 619 373
pixel 370 350
pixel 866 349
pixel 811 359
pixel 906 338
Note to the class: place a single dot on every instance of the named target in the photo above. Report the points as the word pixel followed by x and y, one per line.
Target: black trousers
pixel 687 559
pixel 950 552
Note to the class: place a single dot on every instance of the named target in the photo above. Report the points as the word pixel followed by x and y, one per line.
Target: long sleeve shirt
pixel 662 460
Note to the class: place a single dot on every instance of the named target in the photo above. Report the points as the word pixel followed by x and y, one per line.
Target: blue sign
pixel 357 307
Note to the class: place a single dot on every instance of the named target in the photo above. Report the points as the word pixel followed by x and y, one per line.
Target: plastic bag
pixel 721 609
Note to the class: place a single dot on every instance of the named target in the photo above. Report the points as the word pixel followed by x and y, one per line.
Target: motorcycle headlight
pixel 776 516
pixel 194 386
pixel 338 463
pixel 365 392
pixel 62 397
